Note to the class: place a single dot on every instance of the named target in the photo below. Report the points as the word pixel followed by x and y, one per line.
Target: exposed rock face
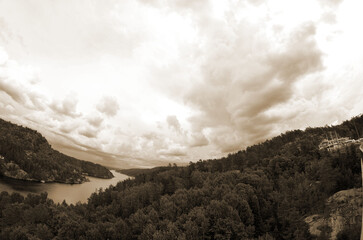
pixel 344 208
pixel 12 170
pixel 315 222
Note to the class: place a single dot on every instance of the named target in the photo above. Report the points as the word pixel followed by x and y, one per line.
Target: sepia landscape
pixel 181 120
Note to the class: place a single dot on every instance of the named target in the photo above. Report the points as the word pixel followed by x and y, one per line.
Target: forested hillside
pixel 25 154
pixel 263 192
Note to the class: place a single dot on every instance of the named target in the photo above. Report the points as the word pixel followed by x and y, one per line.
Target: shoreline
pixel 86 179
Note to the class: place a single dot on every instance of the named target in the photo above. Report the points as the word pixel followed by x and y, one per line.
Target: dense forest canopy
pixel 26 154
pixel 263 192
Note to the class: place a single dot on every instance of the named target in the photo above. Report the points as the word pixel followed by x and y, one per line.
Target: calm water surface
pixel 72 193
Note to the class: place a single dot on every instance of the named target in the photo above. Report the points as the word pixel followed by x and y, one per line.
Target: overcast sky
pixel 148 82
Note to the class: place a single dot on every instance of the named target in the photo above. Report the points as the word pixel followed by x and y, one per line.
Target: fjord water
pixel 71 193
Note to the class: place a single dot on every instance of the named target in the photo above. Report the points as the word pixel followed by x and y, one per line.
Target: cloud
pixel 237 92
pixel 154 140
pixel 198 140
pixel 6 34
pixel 68 127
pixel 17 82
pixel 108 105
pixel 67 107
pixel 95 121
pixel 331 3
pixel 174 152
pixel 22 95
pixel 13 91
pixel 173 123
pixel 3 55
pixel 178 5
pixel 88 132
pixel 194 79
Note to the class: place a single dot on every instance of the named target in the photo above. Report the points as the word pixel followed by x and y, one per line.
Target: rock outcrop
pixel 343 209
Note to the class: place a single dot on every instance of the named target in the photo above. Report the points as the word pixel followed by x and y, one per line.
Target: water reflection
pixel 58 191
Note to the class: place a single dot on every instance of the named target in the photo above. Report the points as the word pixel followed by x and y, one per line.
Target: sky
pixel 150 82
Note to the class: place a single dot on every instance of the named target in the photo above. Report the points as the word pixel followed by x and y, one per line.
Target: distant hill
pixel 138 171
pixel 25 154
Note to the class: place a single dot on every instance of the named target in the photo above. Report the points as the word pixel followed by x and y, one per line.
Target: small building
pixel 336 143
